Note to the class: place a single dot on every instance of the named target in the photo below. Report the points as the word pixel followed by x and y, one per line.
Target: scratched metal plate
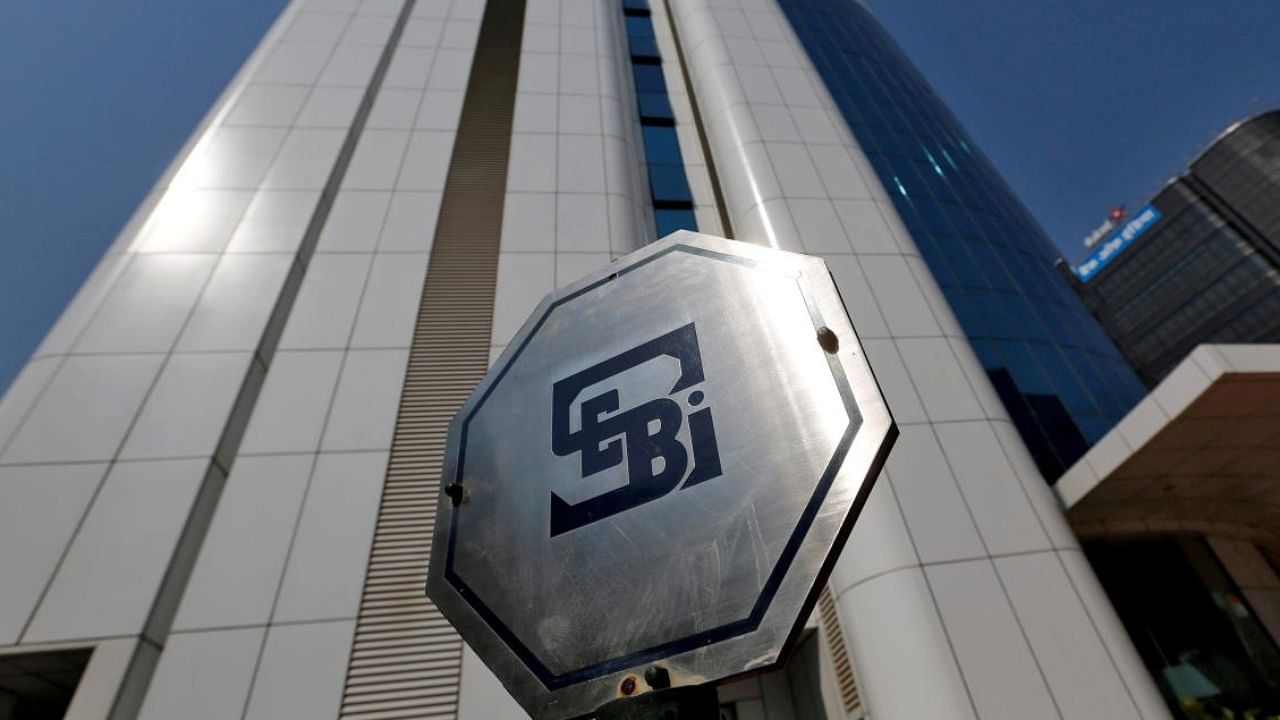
pixel 659 469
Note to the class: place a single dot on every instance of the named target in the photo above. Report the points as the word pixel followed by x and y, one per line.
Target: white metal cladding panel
pixel 555 229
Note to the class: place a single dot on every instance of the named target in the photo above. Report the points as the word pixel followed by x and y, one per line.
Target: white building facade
pixel 218 471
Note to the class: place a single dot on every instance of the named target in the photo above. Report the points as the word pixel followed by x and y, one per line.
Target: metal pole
pixel 663 702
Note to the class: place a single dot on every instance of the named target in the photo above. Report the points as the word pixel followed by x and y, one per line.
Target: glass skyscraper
pixel 1060 378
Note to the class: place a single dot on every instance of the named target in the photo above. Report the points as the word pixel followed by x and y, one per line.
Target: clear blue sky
pixel 1081 104
pixel 1086 104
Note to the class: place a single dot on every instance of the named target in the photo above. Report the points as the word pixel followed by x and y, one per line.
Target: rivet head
pixel 657 677
pixel 456 493
pixel 628 686
pixel 828 340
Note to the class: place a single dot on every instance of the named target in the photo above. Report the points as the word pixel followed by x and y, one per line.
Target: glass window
pixel 643 48
pixel 935 219
pixel 933 256
pixel 1027 373
pixel 655 106
pixel 649 78
pixel 969 315
pixel 668 184
pixel 661 146
pixel 1068 386
pixel 639 27
pixel 1094 427
pixel 1099 385
pixel 1192 626
pixel 988 354
pixel 961 218
pixel 991 259
pixel 971 230
pixel 669 220
pixel 966 269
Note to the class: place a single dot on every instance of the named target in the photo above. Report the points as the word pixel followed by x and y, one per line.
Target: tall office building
pixel 1061 380
pixel 1201 262
pixel 218 473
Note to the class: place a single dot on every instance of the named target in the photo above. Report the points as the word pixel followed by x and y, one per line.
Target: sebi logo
pixel 646 436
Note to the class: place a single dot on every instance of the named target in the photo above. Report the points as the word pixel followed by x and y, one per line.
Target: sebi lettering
pixel 646 437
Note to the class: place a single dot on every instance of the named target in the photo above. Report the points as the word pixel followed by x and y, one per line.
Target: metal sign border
pixel 563 694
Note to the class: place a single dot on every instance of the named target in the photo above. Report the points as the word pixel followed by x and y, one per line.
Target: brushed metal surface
pixel 710 575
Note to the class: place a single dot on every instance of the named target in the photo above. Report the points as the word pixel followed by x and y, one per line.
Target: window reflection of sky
pixel 1060 378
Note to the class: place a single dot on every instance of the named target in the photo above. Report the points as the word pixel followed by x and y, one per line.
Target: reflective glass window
pixel 668 185
pixel 661 146
pixel 644 47
pixel 993 262
pixel 638 26
pixel 655 106
pixel 669 220
pixel 1021 361
pixel 649 78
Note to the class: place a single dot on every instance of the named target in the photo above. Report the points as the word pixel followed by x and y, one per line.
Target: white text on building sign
pixel 1136 226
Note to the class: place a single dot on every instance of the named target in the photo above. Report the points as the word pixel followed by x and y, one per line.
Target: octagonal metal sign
pixel 659 469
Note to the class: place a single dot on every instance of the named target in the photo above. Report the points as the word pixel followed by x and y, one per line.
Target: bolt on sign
pixel 658 471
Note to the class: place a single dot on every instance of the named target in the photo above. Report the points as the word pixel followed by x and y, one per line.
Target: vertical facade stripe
pixel 833 634
pixel 406 659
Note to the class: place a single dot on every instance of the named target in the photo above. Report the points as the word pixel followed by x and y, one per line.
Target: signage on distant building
pixel 1119 240
pixel 1115 215
pixel 1099 232
pixel 659 470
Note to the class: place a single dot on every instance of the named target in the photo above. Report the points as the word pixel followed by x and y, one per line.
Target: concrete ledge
pixel 1201 452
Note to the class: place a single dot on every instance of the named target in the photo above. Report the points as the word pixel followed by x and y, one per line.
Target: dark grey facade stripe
pixel 726 226
pixel 160 619
pixel 406 661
